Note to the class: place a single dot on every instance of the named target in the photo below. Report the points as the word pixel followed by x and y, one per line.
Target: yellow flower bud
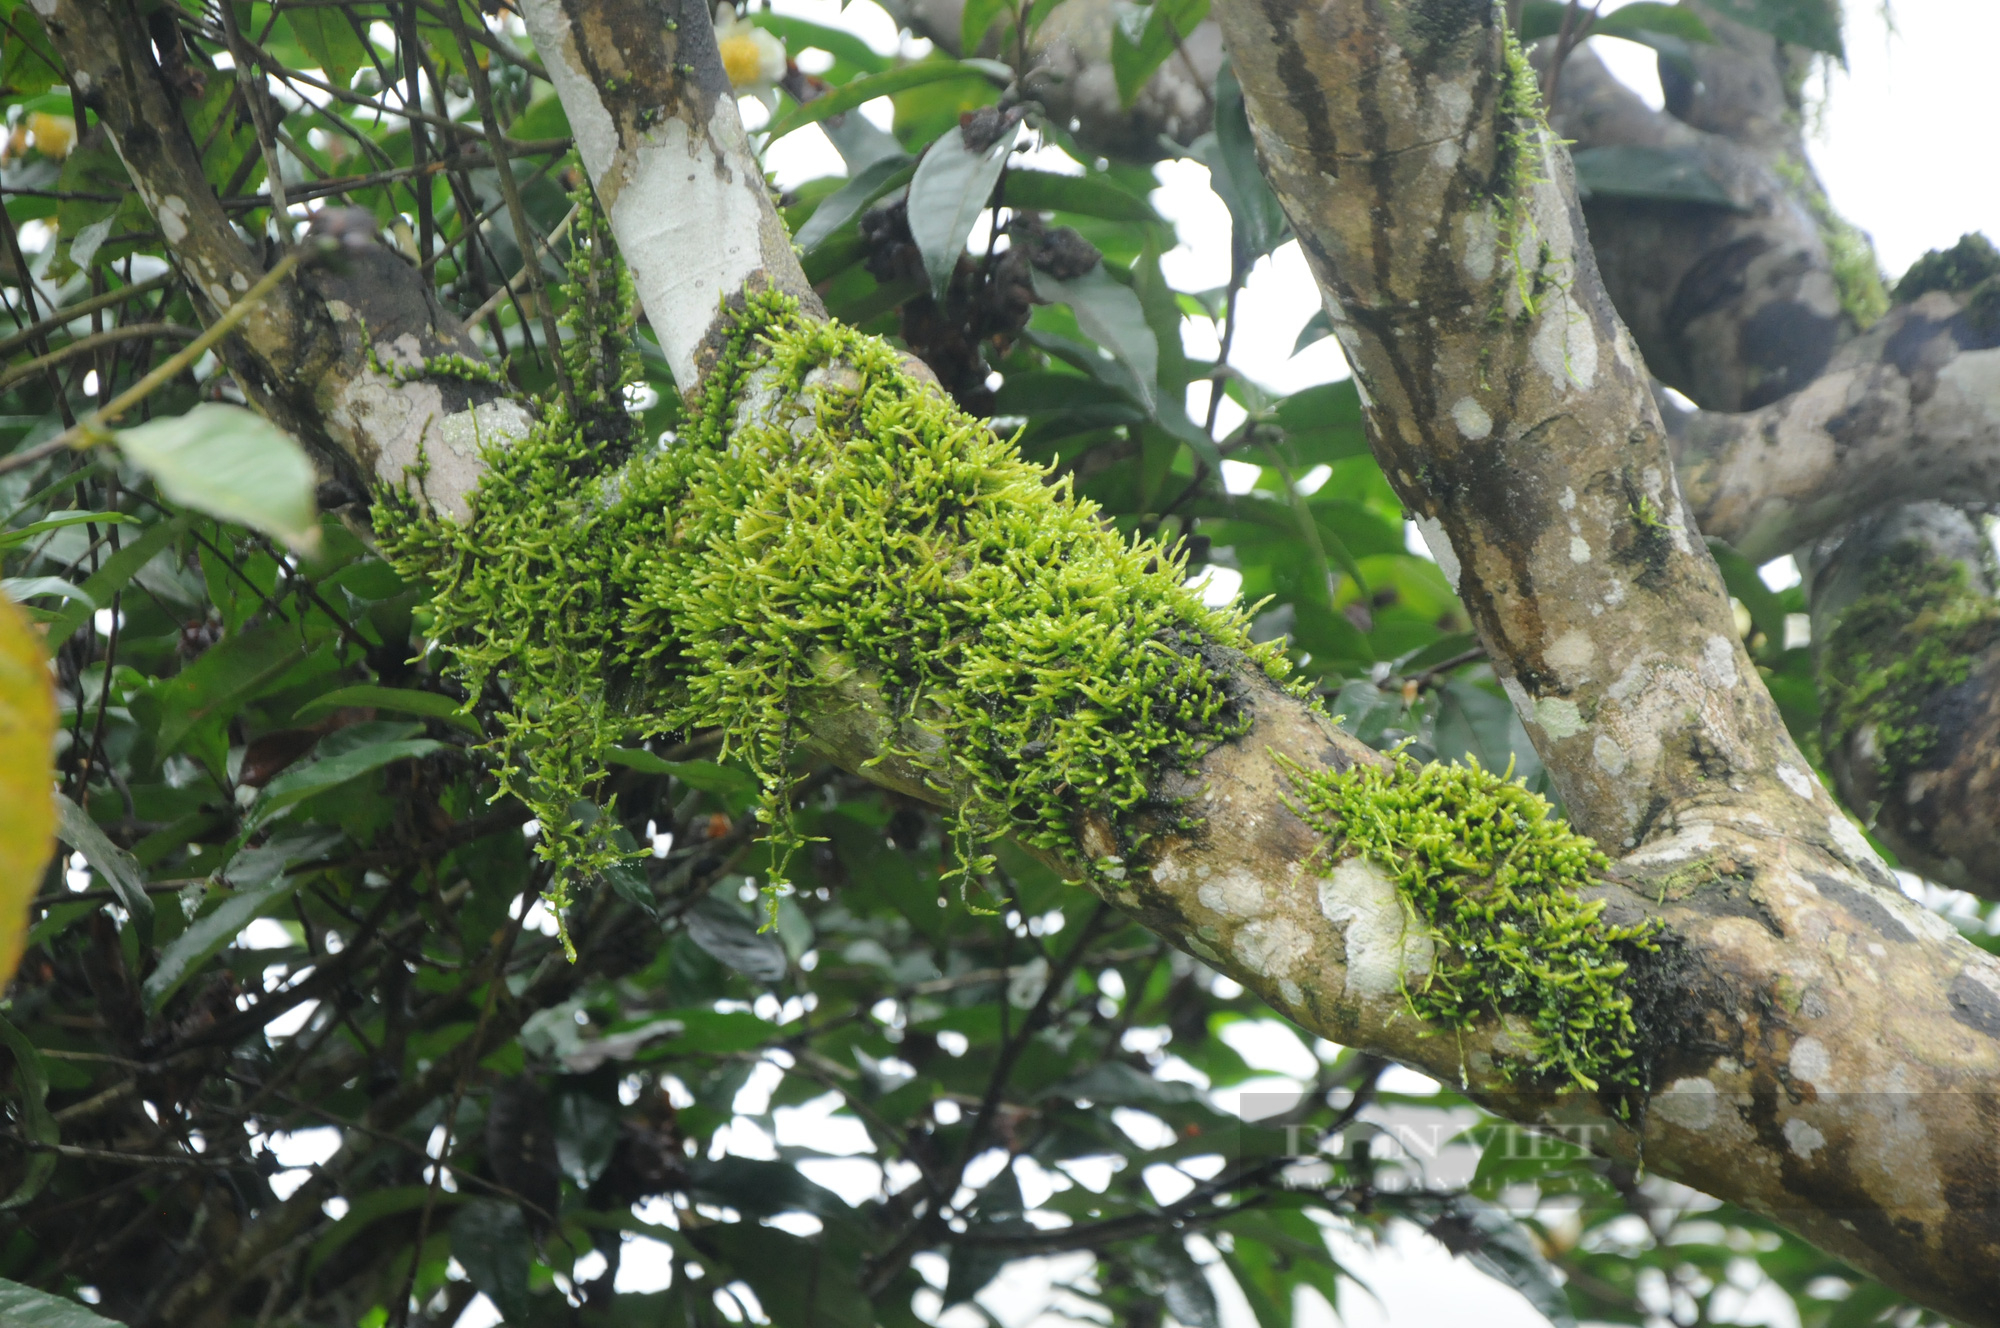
pixel 54 135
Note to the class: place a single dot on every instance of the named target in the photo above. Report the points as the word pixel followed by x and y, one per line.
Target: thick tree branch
pixel 1908 411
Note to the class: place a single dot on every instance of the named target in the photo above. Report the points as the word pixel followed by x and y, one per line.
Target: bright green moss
pixel 1914 631
pixel 849 522
pixel 1492 877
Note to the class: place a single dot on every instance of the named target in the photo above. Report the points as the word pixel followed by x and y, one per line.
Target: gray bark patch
pixel 1863 908
pixel 1974 1004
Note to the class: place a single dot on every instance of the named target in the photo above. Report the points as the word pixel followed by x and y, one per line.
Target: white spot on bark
pixel 1559 717
pixel 173 214
pixel 1455 103
pixel 239 281
pixel 1380 945
pixel 1272 947
pixel 1446 153
pixel 1471 417
pixel 1482 240
pixel 1610 756
pixel 1294 995
pixel 1811 1062
pixel 1689 1103
pixel 1568 500
pixel 1579 549
pixel 1795 779
pixel 1718 662
pixel 1239 894
pixel 1572 653
pixel 1440 546
pixel 1802 1138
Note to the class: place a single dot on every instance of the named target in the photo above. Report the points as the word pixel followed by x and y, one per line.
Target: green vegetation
pixel 1914 631
pixel 825 518
pixel 1967 264
pixel 1492 876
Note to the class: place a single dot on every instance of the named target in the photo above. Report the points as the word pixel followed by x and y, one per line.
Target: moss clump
pixel 1491 876
pixel 1965 265
pixel 1915 630
pixel 826 516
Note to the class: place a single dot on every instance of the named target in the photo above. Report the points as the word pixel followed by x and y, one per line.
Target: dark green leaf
pixel 1660 175
pixel 586 1133
pixel 400 700
pixel 847 202
pixel 721 929
pixel 31 1082
pixel 1082 194
pixel 1492 1241
pixel 125 877
pixel 863 90
pixel 1318 328
pixel 490 1241
pixel 302 782
pixel 1110 314
pixel 261 882
pixel 948 192
pixel 801 34
pixel 25 1307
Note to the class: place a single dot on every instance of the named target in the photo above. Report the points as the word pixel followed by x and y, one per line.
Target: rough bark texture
pixel 1909 410
pixel 303 355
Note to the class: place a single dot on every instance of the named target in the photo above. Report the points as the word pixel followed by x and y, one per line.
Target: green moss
pixel 1857 276
pixel 1492 877
pixel 1517 171
pixel 1915 630
pixel 867 527
pixel 1967 264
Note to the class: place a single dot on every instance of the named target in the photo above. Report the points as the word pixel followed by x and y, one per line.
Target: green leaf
pixel 948 192
pixel 1661 175
pixel 799 34
pixel 1109 313
pixel 863 90
pixel 302 782
pixel 28 63
pixel 23 588
pixel 111 577
pixel 1492 1241
pixel 118 868
pixel 263 881
pixel 733 939
pixel 401 700
pixel 1318 328
pixel 1166 1270
pixel 1144 36
pixel 841 206
pixel 13 539
pixel 330 40
pixel 1082 194
pixel 586 1133
pixel 25 1307
pixel 490 1241
pixel 801 1282
pixel 724 781
pixel 1813 24
pixel 1649 16
pixel 231 463
pixel 31 1082
pixel 225 678
pixel 1257 223
pixel 977 20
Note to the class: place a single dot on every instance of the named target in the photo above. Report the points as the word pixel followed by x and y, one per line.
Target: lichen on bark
pixel 1493 879
pixel 826 518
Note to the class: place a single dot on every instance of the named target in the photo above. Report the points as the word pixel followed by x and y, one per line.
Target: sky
pixel 1905 145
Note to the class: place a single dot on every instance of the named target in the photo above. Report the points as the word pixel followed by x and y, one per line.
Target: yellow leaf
pixel 27 810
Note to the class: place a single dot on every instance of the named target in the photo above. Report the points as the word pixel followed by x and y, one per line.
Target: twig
pixel 96 341
pixel 95 430
pixel 521 278
pixel 70 313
